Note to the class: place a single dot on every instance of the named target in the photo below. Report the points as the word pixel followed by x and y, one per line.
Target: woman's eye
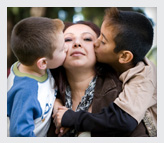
pixel 68 39
pixel 87 39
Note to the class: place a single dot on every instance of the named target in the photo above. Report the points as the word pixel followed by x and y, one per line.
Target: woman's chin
pixel 75 65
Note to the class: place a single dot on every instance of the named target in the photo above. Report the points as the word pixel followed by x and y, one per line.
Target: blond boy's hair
pixel 34 37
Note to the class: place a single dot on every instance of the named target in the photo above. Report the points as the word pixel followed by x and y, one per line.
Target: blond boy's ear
pixel 42 63
pixel 125 57
pixel 59 24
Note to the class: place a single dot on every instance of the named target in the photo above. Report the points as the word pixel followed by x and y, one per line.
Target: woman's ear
pixel 42 63
pixel 125 57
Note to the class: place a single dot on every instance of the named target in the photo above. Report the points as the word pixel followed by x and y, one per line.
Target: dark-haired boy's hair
pixel 33 38
pixel 131 31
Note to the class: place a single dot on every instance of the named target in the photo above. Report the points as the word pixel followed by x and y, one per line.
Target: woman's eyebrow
pixel 87 33
pixel 82 33
pixel 104 37
pixel 68 34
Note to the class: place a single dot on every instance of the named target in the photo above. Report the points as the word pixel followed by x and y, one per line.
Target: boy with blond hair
pixel 38 44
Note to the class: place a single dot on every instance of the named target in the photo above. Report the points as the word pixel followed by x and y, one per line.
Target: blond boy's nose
pixel 65 48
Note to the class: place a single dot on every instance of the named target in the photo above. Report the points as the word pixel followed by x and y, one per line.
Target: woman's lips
pixel 76 54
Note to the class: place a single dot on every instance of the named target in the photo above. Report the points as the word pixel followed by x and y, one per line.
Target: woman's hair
pixel 59 73
pixel 33 38
pixel 131 31
pixel 93 26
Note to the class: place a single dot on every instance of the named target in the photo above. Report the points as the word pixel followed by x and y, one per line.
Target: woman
pixel 90 86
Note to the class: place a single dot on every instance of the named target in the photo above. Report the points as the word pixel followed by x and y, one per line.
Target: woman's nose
pixel 77 43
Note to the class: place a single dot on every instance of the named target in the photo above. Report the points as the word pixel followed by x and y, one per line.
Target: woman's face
pixel 80 40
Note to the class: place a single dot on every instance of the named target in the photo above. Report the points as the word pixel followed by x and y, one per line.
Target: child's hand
pixel 62 131
pixel 57 104
pixel 58 117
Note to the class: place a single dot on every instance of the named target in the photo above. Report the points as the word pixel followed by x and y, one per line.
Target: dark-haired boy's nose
pixel 97 43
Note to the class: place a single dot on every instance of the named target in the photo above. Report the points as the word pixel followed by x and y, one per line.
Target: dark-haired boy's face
pixel 104 47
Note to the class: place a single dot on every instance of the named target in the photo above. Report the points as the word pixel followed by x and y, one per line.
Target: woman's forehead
pixel 79 28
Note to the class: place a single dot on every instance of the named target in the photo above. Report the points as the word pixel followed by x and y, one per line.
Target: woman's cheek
pixel 89 45
pixel 69 46
pixel 92 52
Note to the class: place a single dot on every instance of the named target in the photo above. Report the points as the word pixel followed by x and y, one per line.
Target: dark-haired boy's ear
pixel 125 57
pixel 42 63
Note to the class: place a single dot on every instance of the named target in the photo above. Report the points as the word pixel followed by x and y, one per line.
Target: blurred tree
pixel 55 12
pixel 96 14
pixel 152 55
pixel 38 11
pixel 14 14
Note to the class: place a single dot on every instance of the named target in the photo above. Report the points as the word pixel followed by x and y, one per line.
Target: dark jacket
pixel 106 119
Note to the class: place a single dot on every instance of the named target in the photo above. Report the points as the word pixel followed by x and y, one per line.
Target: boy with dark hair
pixel 125 39
pixel 38 44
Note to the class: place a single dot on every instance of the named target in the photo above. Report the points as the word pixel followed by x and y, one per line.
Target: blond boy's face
pixel 104 47
pixel 59 53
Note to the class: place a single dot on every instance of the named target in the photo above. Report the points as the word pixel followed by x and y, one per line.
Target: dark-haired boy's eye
pixel 103 42
pixel 68 39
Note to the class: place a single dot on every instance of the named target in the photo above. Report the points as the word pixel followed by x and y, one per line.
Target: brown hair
pixel 93 26
pixel 131 31
pixel 33 38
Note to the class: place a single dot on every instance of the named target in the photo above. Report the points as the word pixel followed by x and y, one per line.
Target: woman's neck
pixel 33 70
pixel 79 82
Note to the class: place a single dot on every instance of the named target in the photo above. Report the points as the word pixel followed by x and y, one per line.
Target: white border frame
pixel 77 3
